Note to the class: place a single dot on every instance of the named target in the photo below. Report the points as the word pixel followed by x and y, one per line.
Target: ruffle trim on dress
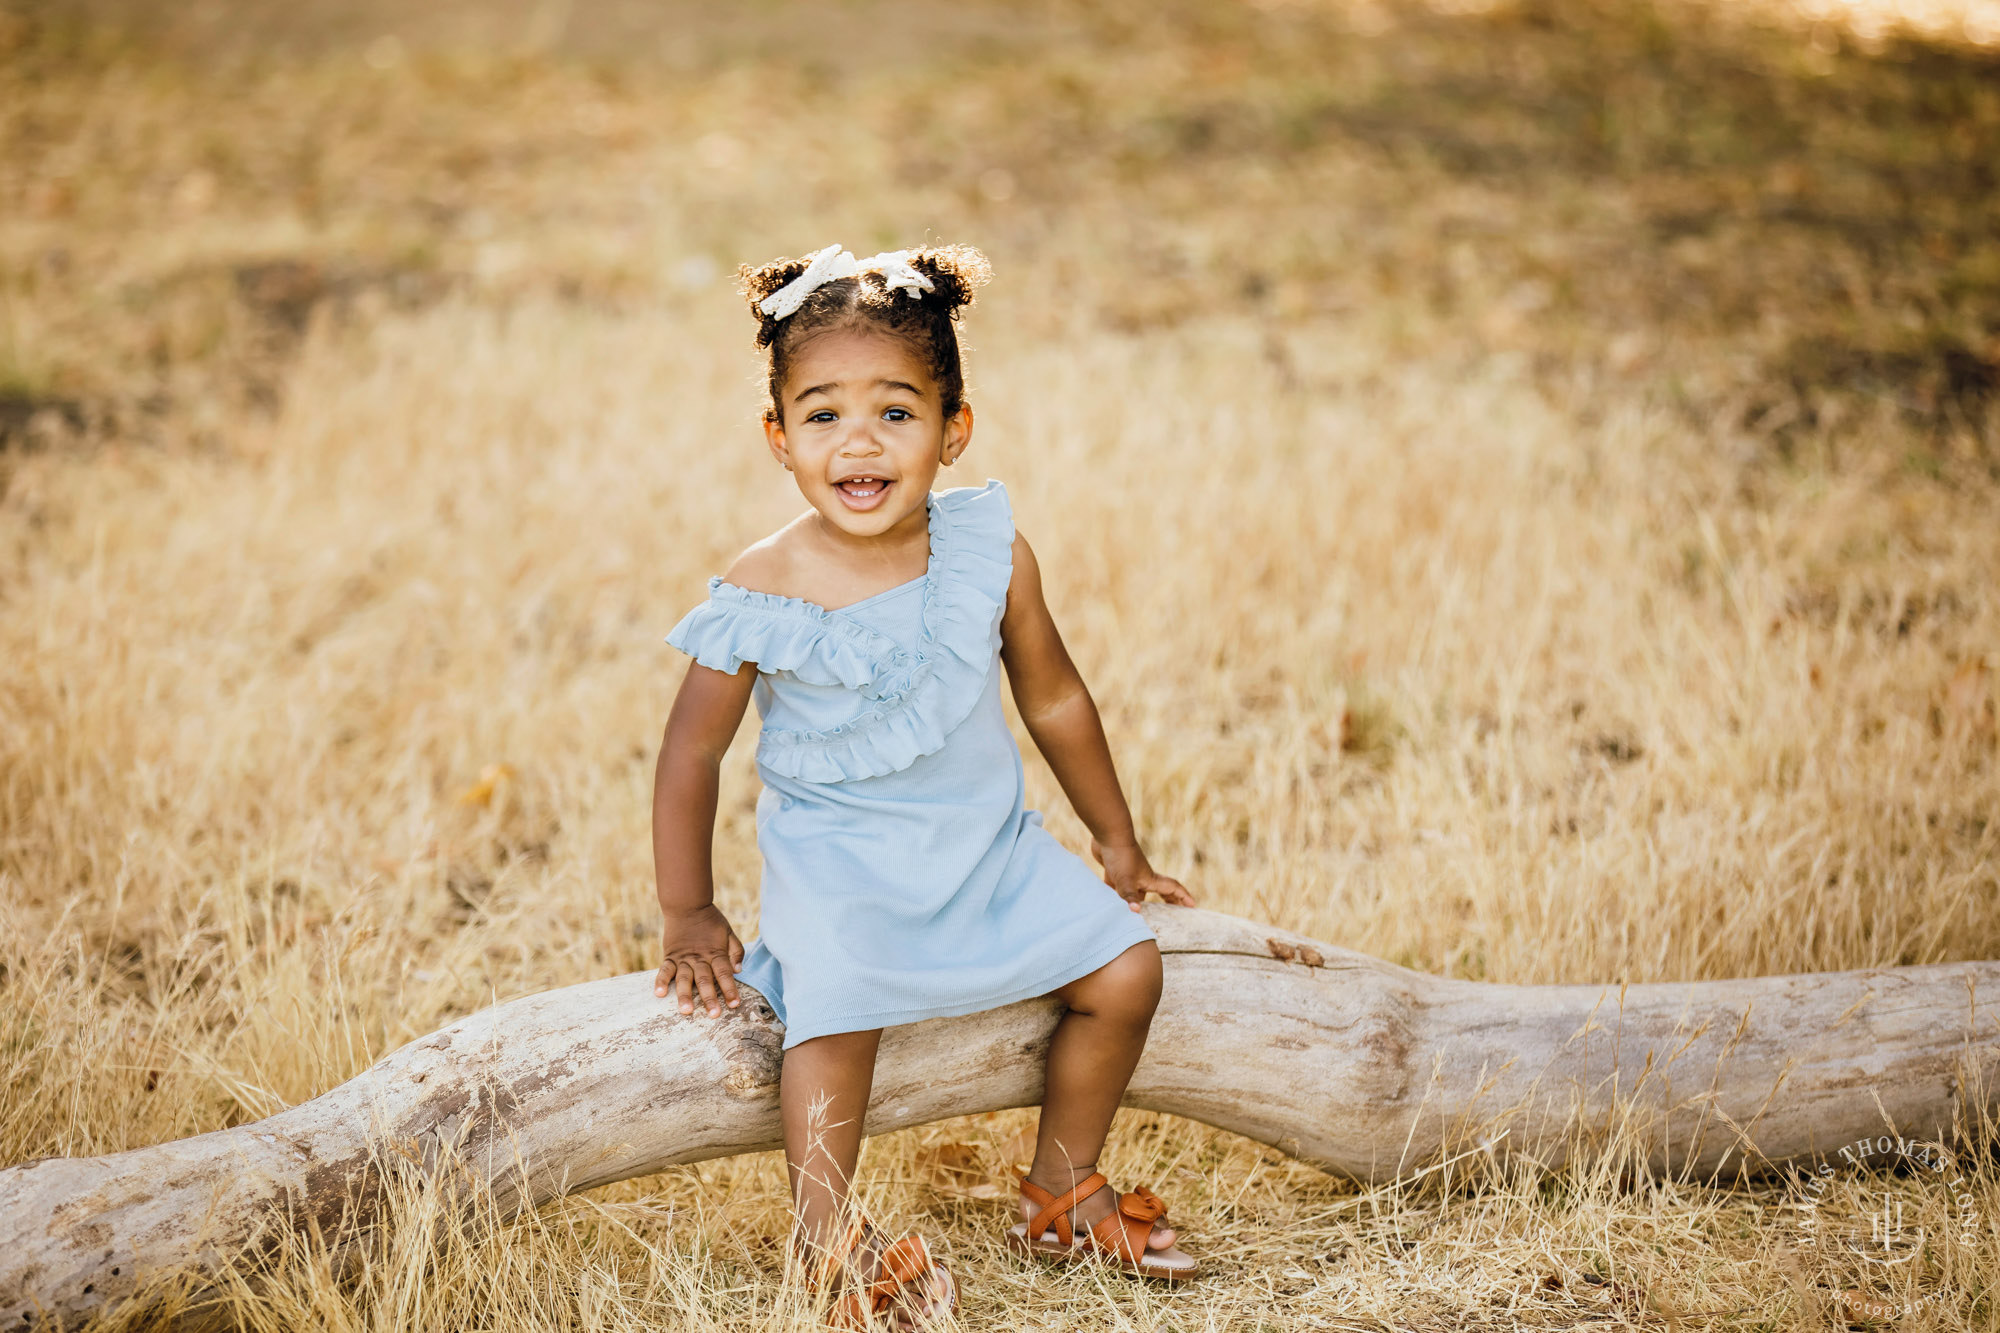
pixel 736 625
pixel 915 699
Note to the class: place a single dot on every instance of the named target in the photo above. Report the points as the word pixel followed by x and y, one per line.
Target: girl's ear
pixel 774 436
pixel 957 434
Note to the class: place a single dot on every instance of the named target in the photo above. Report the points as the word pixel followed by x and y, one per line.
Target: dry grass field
pixel 1522 479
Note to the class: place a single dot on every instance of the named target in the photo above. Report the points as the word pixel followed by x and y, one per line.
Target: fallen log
pixel 1363 1068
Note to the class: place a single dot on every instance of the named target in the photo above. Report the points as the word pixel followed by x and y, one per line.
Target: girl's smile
pixel 863 493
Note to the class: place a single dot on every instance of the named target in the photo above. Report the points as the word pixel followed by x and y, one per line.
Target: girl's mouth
pixel 862 493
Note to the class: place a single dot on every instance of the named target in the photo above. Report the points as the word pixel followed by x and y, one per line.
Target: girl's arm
pixel 699 949
pixel 1061 717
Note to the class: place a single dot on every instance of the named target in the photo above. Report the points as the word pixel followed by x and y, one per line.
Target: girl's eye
pixel 824 414
pixel 897 414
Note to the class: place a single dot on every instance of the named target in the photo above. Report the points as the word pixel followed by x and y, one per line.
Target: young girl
pixel 902 878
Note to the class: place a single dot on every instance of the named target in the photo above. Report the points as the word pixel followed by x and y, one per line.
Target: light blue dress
pixel 903 879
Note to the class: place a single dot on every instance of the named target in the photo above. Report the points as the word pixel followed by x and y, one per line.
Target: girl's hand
pixel 1127 871
pixel 701 952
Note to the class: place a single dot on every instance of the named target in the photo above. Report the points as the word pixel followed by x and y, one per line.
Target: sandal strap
pixel 902 1263
pixel 1143 1204
pixel 1126 1229
pixel 1040 1197
pixel 1059 1208
pixel 833 1256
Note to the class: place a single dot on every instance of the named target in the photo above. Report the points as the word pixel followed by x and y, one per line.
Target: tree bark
pixel 1362 1068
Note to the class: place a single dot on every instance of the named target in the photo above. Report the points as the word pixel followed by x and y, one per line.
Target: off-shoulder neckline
pixel 934 504
pixel 719 582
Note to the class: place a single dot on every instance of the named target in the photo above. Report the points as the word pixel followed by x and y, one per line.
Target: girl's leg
pixel 1091 1058
pixel 823 1092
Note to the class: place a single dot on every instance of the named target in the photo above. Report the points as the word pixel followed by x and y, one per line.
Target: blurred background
pixel 1518 475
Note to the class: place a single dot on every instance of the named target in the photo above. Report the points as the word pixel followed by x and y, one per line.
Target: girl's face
pixel 864 431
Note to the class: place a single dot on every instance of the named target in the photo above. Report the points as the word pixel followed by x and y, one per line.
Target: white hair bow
pixel 834 263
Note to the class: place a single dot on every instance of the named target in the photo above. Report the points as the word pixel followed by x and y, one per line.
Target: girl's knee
pixel 1126 987
pixel 1146 975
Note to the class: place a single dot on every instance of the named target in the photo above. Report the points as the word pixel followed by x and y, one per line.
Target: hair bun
pixel 758 282
pixel 955 271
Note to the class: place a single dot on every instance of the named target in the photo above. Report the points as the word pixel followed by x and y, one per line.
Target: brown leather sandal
pixel 909 1291
pixel 1121 1235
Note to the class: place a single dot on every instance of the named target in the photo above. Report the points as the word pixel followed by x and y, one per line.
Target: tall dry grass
pixel 1520 485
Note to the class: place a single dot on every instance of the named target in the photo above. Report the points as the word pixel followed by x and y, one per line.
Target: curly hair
pixel 926 323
